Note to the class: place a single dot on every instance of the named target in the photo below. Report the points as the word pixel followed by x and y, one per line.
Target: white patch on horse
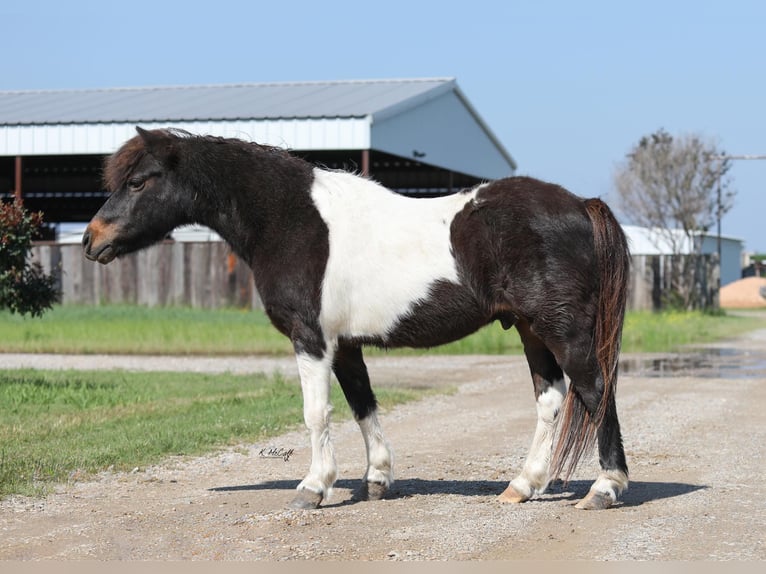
pixel 534 476
pixel 386 250
pixel 611 483
pixel 315 384
pixel 380 462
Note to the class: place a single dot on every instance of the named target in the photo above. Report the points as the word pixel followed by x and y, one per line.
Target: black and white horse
pixel 341 262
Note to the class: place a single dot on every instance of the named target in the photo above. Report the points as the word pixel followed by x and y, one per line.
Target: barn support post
pixel 17 179
pixel 365 162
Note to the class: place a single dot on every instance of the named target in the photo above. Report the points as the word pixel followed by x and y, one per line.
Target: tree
pixel 24 287
pixel 671 186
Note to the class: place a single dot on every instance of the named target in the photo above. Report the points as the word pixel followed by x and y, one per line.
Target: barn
pixel 420 137
pixel 416 136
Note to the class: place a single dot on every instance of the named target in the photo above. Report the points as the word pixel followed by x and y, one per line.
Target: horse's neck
pixel 251 212
pixel 235 221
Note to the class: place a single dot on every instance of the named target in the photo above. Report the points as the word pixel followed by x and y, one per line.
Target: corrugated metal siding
pixel 103 138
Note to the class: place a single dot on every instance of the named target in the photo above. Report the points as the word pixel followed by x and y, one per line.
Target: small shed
pixel 645 241
pixel 651 250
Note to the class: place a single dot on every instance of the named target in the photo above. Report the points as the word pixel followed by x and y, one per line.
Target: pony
pixel 340 263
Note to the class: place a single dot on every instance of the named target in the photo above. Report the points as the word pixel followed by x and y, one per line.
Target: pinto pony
pixel 341 262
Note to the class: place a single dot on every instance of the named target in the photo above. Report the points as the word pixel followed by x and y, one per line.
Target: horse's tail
pixel 578 427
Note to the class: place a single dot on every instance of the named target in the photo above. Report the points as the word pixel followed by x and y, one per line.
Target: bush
pixel 24 287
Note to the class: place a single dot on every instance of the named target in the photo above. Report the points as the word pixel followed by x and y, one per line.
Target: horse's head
pixel 145 203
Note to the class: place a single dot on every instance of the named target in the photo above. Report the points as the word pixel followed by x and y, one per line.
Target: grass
pixel 672 330
pixel 124 329
pixel 127 329
pixel 56 425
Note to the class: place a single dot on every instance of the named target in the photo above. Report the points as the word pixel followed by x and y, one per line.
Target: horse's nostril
pixel 86 239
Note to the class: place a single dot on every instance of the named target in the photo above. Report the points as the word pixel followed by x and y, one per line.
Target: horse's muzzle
pixel 103 252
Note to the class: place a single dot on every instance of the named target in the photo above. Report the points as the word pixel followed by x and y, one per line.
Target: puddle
pixel 707 363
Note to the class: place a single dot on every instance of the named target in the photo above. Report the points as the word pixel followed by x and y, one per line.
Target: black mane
pixel 118 166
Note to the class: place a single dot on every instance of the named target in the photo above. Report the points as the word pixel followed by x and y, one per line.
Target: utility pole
pixel 721 159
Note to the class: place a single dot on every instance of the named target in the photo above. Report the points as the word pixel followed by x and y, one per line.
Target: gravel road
pixel 694 440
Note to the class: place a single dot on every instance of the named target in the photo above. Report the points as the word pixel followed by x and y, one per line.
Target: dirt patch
pixel 746 293
pixel 695 447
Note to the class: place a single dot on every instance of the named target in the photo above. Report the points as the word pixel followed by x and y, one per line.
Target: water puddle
pixel 707 363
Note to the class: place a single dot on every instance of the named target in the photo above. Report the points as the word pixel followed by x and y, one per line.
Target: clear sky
pixel 567 86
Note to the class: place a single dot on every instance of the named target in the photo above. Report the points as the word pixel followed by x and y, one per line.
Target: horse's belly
pixel 371 308
pixel 451 312
pixel 403 314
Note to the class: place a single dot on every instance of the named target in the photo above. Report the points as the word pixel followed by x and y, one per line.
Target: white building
pixel 644 241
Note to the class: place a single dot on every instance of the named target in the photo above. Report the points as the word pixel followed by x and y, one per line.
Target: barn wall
pixel 104 138
pixel 445 131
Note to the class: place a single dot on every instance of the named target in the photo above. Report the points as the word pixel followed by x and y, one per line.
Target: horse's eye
pixel 136 183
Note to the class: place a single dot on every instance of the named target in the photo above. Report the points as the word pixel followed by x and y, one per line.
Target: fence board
pixel 169 273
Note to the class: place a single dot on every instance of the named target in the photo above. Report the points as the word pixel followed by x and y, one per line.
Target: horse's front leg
pixel 352 375
pixel 314 371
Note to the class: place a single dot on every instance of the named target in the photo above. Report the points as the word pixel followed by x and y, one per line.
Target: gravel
pixel 695 445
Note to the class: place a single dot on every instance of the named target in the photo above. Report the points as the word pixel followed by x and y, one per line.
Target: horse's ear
pixel 159 144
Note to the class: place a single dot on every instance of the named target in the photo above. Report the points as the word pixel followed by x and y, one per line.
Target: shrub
pixel 24 286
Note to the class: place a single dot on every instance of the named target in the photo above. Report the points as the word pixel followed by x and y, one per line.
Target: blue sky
pixel 568 87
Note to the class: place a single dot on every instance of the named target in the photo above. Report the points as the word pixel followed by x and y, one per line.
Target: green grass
pixel 127 329
pixel 672 330
pixel 55 425
pixel 185 331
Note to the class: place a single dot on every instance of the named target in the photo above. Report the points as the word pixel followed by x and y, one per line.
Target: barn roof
pixel 416 136
pixel 425 118
pixel 357 98
pixel 655 241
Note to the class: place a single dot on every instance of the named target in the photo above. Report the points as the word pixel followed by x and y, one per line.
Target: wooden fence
pixel 203 274
pixel 650 281
pixel 206 274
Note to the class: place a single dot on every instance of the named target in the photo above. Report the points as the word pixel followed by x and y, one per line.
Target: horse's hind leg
pixel 550 389
pixel 351 373
pixel 613 478
pixel 588 386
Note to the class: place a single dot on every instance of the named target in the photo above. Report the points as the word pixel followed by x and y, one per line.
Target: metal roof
pixel 656 241
pixel 427 118
pixel 337 99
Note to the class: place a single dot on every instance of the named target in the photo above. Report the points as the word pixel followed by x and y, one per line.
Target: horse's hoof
pixel 595 501
pixel 306 500
pixel 511 495
pixel 371 491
